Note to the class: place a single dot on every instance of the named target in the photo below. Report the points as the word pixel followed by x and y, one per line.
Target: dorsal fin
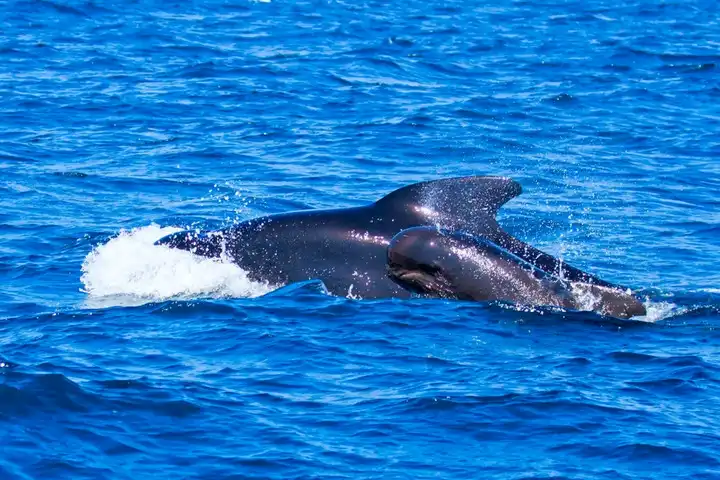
pixel 465 203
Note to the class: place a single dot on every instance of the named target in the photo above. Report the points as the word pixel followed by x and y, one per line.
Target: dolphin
pixel 439 263
pixel 346 248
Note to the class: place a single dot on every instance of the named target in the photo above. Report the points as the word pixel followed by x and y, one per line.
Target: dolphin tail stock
pixel 547 262
pixel 206 244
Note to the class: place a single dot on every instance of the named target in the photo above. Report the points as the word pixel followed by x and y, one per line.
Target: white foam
pixel 656 311
pixel 130 269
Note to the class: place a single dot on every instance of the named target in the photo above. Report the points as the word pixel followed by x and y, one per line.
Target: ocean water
pixel 121 122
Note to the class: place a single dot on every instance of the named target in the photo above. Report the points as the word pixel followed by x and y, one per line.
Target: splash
pixel 657 311
pixel 130 266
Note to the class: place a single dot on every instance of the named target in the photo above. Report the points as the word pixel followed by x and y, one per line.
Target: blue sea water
pixel 124 121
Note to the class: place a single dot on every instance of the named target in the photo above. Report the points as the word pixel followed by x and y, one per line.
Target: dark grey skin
pixel 346 248
pixel 438 263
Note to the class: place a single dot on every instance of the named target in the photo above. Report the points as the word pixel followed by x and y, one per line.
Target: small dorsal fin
pixel 466 203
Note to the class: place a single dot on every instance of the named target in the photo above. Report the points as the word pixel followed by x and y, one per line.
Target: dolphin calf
pixel 346 248
pixel 436 262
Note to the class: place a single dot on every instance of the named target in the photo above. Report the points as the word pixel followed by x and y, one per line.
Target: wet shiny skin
pixel 449 264
pixel 122 122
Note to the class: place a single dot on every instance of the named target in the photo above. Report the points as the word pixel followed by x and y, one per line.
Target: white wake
pixel 130 269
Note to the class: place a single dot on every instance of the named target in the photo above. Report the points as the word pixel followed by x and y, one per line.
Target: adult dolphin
pixel 438 263
pixel 347 247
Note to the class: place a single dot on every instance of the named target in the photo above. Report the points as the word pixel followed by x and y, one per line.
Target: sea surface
pixel 121 122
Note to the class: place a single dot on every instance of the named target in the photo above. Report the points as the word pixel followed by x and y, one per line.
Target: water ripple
pixel 120 123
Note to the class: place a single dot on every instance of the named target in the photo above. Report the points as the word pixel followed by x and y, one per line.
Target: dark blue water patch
pixel 117 118
pixel 341 392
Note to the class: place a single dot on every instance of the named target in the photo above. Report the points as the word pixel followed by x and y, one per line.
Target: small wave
pixel 25 394
pixel 657 311
pixel 130 269
pixel 710 290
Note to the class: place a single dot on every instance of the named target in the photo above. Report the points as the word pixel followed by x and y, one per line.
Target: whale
pixel 346 248
pixel 435 262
